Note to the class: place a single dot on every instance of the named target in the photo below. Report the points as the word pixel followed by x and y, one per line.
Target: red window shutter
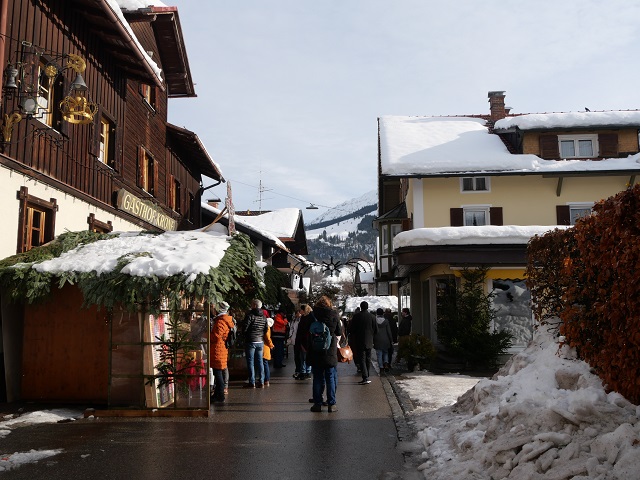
pixel 563 215
pixel 608 143
pixel 549 148
pixel 171 194
pixel 495 216
pixel 457 217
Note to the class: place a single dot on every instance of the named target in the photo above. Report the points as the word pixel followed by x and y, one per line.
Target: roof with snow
pixel 253 231
pixel 457 146
pixel 170 253
pixel 569 120
pixel 476 235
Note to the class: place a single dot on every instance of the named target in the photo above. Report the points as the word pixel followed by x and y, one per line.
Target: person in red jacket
pixel 221 324
pixel 279 337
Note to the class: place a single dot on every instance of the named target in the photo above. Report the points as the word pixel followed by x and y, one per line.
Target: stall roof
pixel 170 253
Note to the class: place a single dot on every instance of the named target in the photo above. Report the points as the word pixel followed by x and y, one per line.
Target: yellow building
pixel 467 191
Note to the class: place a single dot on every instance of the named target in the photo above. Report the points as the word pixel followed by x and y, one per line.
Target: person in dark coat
pixel 404 329
pixel 301 341
pixel 254 328
pixel 324 364
pixel 363 329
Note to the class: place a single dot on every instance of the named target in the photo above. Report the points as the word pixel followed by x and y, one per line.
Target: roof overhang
pixel 173 53
pixel 197 157
pixel 412 259
pixel 117 40
pixel 555 174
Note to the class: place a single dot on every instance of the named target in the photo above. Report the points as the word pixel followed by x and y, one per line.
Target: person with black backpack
pixel 322 353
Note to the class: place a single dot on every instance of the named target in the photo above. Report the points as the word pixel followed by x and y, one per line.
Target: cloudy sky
pixel 289 91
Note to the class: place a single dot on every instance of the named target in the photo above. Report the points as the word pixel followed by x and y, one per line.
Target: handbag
pixel 345 354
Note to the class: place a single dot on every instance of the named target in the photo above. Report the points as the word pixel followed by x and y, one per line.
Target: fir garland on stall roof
pixel 235 280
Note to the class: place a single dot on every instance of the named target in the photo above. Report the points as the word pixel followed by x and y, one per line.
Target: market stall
pixel 121 320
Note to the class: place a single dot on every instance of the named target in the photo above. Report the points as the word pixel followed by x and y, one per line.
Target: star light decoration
pixel 332 267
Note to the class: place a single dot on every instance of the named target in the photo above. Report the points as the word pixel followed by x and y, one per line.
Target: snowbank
pixel 543 416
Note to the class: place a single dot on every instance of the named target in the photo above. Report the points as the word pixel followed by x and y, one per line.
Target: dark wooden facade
pixel 67 154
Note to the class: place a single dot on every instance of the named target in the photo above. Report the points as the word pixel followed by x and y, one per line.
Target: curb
pixel 400 404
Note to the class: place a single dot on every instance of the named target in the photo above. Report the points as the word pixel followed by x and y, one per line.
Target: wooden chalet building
pixel 84 138
pixel 101 156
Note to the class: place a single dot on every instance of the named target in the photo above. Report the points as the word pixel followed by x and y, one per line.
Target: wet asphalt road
pixel 258 434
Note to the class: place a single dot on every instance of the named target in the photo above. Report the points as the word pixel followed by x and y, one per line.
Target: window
pixel 474 184
pixel 192 208
pixel 148 93
pixel 387 232
pixel 579 210
pixel 106 142
pixel 146 171
pixel 36 222
pixel 175 194
pixel 476 215
pixel 578 146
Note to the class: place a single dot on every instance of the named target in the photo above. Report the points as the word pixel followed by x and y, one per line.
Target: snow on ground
pixel 12 460
pixel 544 415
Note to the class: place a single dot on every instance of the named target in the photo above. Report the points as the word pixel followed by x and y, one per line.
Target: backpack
pixel 320 336
pixel 232 336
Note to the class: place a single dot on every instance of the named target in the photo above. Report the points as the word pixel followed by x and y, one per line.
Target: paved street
pixel 263 433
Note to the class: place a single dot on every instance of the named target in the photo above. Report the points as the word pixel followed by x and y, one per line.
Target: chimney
pixel 213 202
pixel 496 105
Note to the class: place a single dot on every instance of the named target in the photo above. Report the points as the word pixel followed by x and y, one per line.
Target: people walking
pixel 404 329
pixel 302 338
pixel 221 325
pixel 254 328
pixel 324 362
pixel 279 337
pixel 382 341
pixel 363 329
pixel 266 353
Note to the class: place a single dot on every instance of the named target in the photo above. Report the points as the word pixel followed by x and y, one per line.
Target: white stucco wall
pixel 72 212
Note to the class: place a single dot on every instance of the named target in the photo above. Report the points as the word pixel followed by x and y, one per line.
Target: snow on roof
pixel 165 254
pixel 282 222
pixel 463 145
pixel 117 6
pixel 375 302
pixel 477 235
pixel 136 4
pixel 570 120
pixel 241 220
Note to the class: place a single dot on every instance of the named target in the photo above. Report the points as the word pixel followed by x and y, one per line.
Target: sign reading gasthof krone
pixel 145 210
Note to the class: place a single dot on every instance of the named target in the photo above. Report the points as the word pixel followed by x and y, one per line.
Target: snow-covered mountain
pixel 344 231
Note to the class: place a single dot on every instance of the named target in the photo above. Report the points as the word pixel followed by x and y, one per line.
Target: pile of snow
pixel 375 302
pixel 567 120
pixel 544 415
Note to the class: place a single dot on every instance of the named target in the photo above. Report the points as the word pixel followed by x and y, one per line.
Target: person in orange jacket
pixel 279 337
pixel 221 325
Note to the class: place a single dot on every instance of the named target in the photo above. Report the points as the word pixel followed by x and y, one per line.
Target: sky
pixel 289 91
pixel 543 415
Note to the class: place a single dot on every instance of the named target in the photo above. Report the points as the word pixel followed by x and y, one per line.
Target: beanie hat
pixel 223 307
pixel 379 311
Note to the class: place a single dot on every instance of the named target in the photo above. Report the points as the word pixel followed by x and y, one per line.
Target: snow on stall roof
pixel 282 222
pixel 463 145
pixel 483 235
pixel 241 220
pixel 375 302
pixel 166 254
pixel 532 121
